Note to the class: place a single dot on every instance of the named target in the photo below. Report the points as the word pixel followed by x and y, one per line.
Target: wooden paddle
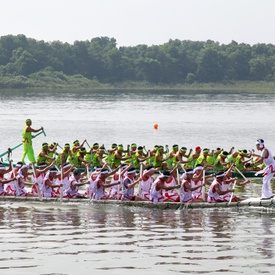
pixel 88 177
pixel 140 175
pixel 61 181
pixel 251 184
pixel 37 185
pixel 17 190
pixel 15 147
pixel 234 184
pixel 203 188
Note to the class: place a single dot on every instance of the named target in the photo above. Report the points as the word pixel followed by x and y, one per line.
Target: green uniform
pixel 58 159
pixel 41 159
pixel 238 163
pixel 156 162
pixel 192 162
pixel 27 145
pixel 95 161
pixel 76 162
pixel 200 160
pixel 231 159
pixel 218 166
pixel 115 162
pixel 74 155
pixel 135 161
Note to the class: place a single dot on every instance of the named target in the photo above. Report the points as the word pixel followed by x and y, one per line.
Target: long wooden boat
pixel 247 174
pixel 249 202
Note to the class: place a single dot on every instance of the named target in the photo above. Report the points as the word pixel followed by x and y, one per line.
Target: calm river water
pixel 38 238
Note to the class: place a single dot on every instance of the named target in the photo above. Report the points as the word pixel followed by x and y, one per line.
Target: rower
pixel 158 186
pixel 217 192
pixel 44 155
pixel 188 187
pixel 128 185
pixel 101 183
pixel 3 180
pixel 193 158
pixel 64 155
pixel 75 181
pixel 269 170
pixel 49 185
pixel 27 141
pixel 146 182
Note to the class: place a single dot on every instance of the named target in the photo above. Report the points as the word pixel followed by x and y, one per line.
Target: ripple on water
pixel 54 239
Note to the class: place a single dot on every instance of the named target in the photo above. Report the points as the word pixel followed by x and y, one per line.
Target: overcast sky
pixel 133 22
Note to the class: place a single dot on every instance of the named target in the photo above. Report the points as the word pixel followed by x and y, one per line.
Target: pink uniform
pixel 155 194
pixel 91 188
pixel 46 190
pixel 145 186
pixel 197 194
pixel 2 191
pixel 268 174
pixel 100 193
pixel 213 195
pixel 171 195
pixel 185 194
pixel 71 190
pixel 128 193
pixel 22 190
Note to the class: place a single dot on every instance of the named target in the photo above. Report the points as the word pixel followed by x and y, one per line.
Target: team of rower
pixel 58 174
pixel 161 159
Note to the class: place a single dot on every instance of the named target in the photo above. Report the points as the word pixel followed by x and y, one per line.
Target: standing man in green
pixel 27 141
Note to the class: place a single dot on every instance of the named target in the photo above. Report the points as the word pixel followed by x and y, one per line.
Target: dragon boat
pixel 248 202
pixel 247 174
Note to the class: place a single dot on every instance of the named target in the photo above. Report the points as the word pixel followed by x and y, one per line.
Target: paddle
pixel 88 177
pixel 203 188
pixel 61 180
pixel 119 180
pixel 178 175
pixel 37 185
pixel 140 175
pixel 88 144
pixel 168 156
pixel 17 190
pixel 61 187
pixel 15 147
pixel 234 184
pixel 251 184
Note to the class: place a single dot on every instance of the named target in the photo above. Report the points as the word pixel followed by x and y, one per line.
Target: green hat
pixel 183 149
pixel 45 144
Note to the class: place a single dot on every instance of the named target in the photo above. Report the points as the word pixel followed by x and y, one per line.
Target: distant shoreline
pixel 22 83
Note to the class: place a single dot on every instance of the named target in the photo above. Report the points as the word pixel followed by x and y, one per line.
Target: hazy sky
pixel 133 22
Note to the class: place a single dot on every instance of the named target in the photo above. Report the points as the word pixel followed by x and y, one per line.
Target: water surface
pixel 37 238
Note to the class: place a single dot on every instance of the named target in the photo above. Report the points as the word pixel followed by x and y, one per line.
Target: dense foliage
pixel 25 60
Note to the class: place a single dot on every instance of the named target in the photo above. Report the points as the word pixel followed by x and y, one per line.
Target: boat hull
pixel 250 202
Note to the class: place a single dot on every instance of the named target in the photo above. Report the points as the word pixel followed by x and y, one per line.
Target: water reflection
pixel 146 241
pixel 267 246
pixel 222 224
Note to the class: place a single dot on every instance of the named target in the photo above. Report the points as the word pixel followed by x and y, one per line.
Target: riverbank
pixel 58 80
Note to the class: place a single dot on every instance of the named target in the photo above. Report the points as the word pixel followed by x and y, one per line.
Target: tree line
pixel 173 62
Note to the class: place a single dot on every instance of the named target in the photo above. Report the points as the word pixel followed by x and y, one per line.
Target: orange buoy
pixel 156 126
